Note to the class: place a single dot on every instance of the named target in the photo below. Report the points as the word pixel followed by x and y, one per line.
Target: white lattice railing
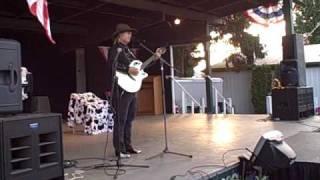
pixel 185 96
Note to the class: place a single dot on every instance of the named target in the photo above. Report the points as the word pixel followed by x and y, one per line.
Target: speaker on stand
pixel 10 77
pixel 31 143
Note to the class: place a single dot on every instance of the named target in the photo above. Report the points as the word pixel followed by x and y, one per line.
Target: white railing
pixel 227 102
pixel 184 92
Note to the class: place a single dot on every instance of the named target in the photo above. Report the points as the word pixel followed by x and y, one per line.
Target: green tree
pixel 249 45
pixel 184 61
pixel 307 18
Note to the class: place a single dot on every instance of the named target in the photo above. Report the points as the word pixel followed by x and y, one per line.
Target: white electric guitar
pixel 132 83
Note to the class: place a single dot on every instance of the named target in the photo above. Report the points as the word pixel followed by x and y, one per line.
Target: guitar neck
pixel 147 62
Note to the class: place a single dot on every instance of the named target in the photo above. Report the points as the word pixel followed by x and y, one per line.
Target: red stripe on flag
pixel 43 17
pixel 46 21
pixel 33 9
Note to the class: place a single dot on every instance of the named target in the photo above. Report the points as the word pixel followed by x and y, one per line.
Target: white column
pixel 224 106
pixel 192 107
pixel 230 105
pixel 216 100
pixel 269 104
pixel 183 102
pixel 203 105
pixel 172 81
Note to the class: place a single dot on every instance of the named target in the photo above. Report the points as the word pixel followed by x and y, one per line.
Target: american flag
pixel 39 8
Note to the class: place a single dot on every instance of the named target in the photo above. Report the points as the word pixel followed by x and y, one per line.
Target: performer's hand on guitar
pixel 159 52
pixel 134 71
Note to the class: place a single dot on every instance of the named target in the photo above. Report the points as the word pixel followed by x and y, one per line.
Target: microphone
pixel 115 60
pixel 138 41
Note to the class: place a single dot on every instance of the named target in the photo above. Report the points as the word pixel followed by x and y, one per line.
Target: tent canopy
pixel 85 22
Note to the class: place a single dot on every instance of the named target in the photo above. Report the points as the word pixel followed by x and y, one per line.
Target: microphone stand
pixel 118 164
pixel 164 113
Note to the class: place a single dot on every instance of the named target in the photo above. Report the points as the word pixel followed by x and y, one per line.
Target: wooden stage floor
pixel 205 137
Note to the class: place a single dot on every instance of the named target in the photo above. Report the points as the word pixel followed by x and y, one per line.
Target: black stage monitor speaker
pixel 272 153
pixel 31 147
pixel 10 78
pixel 289 74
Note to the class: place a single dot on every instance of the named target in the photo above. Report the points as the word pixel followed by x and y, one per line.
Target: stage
pixel 205 137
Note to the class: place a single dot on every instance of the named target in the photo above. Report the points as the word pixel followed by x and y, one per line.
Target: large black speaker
pixel 31 147
pixel 293 47
pixel 293 68
pixel 292 103
pixel 10 78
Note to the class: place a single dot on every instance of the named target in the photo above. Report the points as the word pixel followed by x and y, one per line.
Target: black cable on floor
pixel 104 165
pixel 200 172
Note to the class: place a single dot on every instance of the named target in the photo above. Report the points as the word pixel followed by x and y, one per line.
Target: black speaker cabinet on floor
pixel 31 147
pixel 292 103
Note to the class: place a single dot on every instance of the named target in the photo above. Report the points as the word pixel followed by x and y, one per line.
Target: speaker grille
pixel 48 150
pixel 31 147
pixel 20 155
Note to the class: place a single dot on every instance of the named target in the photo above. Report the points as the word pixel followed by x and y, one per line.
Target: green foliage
pixel 237 60
pixel 307 18
pixel 249 45
pixel 261 85
pixel 184 61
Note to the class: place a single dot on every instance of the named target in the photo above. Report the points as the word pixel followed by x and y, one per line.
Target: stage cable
pixel 192 173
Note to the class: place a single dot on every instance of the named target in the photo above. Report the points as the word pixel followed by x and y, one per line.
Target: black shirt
pixel 124 59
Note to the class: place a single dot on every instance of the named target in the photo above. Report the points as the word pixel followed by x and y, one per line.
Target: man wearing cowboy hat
pixel 126 101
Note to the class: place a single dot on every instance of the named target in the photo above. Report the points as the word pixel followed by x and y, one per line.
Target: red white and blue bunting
pixel 266 15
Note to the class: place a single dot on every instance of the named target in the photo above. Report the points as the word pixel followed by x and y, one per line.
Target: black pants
pixel 123 122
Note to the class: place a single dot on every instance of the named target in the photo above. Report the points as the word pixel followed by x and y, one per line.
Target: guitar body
pixel 131 83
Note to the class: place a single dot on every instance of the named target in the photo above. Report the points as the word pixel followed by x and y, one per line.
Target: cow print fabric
pixel 93 113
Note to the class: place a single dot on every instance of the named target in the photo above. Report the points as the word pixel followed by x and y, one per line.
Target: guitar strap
pixel 131 53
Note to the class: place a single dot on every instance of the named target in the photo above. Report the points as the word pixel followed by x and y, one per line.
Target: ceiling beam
pixel 167 9
pixel 240 3
pixel 171 2
pixel 34 25
pixel 227 5
pixel 195 3
pixel 76 4
pixel 96 7
pixel 101 12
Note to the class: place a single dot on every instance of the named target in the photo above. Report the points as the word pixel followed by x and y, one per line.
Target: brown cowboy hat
pixel 120 28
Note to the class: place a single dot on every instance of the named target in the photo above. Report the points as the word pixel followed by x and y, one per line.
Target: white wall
pixel 238 87
pixel 313 80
